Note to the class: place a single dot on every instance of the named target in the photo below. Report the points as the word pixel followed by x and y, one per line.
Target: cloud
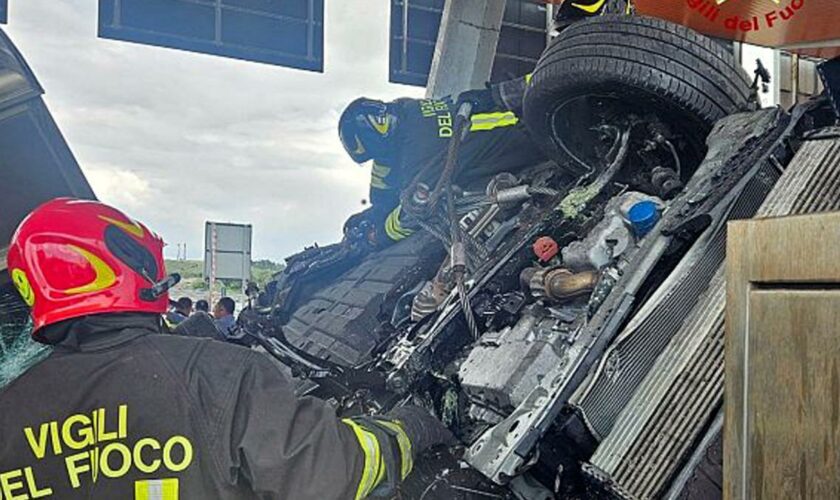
pixel 177 138
pixel 121 188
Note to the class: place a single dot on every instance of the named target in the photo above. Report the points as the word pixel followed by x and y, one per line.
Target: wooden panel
pixel 769 256
pixel 797 249
pixel 792 395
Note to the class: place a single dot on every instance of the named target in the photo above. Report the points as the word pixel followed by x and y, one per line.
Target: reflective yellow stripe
pixel 394 229
pixel 372 472
pixel 377 183
pixel 528 78
pixel 156 489
pixel 406 458
pixel 490 121
pixel 381 170
pixel 590 9
pixel 377 176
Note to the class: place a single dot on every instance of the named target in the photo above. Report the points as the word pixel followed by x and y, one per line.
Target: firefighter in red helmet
pixel 120 411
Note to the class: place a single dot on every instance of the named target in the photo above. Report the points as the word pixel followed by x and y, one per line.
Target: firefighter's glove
pixel 482 100
pixel 359 228
pixel 422 429
pixel 401 435
pixel 508 95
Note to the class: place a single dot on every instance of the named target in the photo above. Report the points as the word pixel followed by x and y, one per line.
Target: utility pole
pixel 213 246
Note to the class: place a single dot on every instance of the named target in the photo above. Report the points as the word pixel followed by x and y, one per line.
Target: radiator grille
pixel 630 357
pixel 684 388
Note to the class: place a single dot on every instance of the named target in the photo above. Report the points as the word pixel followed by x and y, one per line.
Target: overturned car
pixel 566 320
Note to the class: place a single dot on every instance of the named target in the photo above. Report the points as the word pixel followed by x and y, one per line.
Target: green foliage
pixel 263 270
pixel 191 272
pixel 199 285
pixel 188 269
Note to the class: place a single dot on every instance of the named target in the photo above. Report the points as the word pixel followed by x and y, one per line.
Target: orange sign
pixel 721 1
pixel 809 27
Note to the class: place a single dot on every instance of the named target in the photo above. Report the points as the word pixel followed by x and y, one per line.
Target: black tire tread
pixel 680 37
pixel 679 68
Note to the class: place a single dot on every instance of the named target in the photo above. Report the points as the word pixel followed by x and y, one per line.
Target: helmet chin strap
pixel 158 288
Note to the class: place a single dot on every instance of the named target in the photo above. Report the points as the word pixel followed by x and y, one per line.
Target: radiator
pixel 650 437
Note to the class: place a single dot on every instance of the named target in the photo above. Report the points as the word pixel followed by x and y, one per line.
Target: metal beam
pixel 466 46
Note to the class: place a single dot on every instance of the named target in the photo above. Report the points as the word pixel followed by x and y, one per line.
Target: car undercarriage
pixel 581 353
pixel 598 372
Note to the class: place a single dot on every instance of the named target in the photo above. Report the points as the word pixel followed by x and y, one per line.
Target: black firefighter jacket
pixel 119 411
pixel 497 142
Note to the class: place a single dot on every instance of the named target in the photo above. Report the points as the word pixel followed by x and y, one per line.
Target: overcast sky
pixel 175 138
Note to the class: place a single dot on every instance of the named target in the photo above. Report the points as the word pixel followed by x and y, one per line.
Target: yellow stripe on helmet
pixel 104 275
pixel 24 287
pixel 590 9
pixel 132 227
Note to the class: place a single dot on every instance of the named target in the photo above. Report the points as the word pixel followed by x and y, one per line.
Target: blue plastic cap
pixel 643 216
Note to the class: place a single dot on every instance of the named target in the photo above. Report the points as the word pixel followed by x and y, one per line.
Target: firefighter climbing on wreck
pixel 406 135
pixel 119 410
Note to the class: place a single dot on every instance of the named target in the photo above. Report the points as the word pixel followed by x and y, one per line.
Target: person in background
pixel 183 309
pixel 223 312
pixel 200 324
pixel 202 306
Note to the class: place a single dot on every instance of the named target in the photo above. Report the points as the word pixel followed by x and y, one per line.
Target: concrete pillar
pixel 466 46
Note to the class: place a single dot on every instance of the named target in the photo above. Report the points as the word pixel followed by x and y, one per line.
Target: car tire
pixel 687 80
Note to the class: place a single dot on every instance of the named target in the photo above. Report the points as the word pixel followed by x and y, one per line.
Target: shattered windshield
pixel 18 352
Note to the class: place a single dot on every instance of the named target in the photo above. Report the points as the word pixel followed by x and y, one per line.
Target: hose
pixel 676 157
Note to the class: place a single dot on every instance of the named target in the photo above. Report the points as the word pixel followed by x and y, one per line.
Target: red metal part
pixel 545 248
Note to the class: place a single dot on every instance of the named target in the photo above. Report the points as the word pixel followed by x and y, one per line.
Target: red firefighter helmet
pixel 71 258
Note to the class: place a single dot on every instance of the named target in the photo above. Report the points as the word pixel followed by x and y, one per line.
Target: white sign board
pixel 227 251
